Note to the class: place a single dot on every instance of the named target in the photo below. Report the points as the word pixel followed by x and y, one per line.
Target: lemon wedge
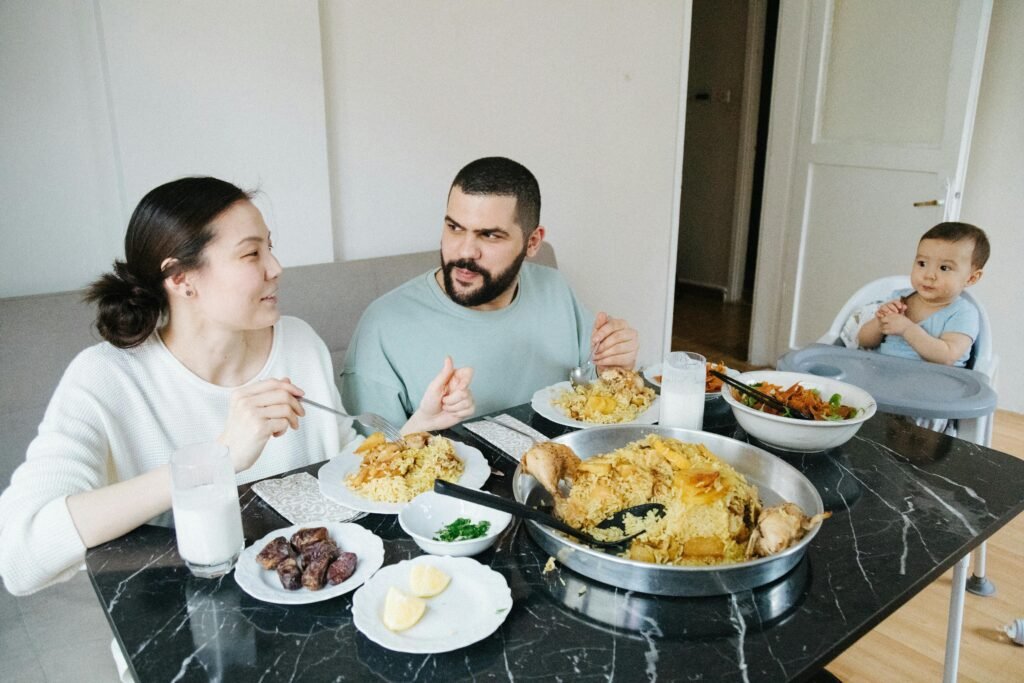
pixel 401 611
pixel 426 580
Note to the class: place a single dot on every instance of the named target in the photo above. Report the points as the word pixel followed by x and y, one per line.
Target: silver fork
pixel 371 420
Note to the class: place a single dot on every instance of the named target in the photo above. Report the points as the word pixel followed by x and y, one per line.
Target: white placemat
pixel 511 443
pixel 297 498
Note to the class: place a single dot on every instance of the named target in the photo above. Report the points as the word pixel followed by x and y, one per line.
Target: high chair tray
pixel 899 385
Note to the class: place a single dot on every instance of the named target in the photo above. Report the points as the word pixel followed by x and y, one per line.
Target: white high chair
pixel 846 323
pixel 858 309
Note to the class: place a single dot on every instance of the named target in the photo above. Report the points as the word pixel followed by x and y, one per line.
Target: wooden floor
pixel 910 644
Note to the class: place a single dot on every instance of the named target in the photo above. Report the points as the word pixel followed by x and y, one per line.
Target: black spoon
pixel 447 488
pixel 762 397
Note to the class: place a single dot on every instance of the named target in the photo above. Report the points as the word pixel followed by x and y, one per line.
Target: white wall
pixel 586 94
pixel 995 184
pixel 103 101
pixel 60 210
pixel 353 117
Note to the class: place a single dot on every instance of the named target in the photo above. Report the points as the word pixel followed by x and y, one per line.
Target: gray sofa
pixel 39 335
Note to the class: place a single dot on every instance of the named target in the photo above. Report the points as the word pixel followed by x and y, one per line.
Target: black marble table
pixel 907 505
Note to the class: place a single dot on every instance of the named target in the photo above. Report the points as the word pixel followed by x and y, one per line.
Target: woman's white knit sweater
pixel 118 413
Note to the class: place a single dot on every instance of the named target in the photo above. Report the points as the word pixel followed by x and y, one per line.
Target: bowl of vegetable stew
pixel 442 525
pixel 839 410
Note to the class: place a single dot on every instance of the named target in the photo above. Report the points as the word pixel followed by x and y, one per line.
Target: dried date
pixel 341 568
pixel 289 573
pixel 274 552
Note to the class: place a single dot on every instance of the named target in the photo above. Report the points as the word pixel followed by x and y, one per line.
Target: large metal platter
pixel 776 482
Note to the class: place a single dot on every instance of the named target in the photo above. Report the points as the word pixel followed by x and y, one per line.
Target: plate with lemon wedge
pixel 431 604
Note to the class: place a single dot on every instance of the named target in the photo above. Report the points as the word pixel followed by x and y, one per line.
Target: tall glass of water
pixel 207 517
pixel 682 390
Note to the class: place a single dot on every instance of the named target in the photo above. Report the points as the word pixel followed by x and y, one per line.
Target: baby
pixel 931 321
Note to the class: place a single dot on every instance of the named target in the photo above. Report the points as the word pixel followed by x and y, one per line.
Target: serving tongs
pixel 762 397
pixel 489 500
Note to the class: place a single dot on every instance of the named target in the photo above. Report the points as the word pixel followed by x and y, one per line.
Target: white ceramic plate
pixel 263 584
pixel 542 404
pixel 472 607
pixel 654 370
pixel 332 477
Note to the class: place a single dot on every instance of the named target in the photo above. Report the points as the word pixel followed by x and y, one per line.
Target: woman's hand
pixel 446 402
pixel 258 412
pixel 614 342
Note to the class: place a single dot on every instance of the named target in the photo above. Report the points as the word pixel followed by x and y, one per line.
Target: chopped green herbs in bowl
pixel 462 529
pixel 442 525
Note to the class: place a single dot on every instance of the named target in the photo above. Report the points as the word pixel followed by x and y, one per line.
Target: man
pixel 517 326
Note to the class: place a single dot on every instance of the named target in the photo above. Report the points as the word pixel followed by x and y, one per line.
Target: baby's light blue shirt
pixel 960 316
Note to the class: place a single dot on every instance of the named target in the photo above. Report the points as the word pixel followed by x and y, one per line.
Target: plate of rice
pixel 372 475
pixel 615 398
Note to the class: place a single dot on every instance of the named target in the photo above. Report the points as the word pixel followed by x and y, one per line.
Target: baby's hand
pixel 894 307
pixel 894 324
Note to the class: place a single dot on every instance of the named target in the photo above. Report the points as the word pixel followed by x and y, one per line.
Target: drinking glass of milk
pixel 207 517
pixel 682 390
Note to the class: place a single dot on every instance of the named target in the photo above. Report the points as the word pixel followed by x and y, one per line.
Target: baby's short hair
pixel 954 232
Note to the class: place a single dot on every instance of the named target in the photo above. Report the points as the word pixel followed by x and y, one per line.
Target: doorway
pixel 732 50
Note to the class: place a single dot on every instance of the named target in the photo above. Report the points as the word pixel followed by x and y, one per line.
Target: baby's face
pixel 943 269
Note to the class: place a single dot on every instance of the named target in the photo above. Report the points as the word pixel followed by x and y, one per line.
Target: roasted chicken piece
pixel 549 463
pixel 622 377
pixel 780 527
pixel 417 439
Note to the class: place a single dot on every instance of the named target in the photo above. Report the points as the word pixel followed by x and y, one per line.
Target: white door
pixel 872 110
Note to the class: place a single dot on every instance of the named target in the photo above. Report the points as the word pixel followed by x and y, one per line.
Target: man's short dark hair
pixel 954 232
pixel 501 176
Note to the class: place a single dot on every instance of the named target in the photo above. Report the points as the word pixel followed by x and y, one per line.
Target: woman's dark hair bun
pixel 127 309
pixel 171 224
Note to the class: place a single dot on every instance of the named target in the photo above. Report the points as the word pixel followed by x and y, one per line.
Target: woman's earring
pixel 188 292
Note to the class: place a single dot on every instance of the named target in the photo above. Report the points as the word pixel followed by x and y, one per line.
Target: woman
pixel 196 351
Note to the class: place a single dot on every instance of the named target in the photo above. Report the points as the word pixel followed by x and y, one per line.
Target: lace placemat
pixel 297 498
pixel 511 443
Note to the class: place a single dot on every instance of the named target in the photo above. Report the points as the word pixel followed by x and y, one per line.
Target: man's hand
pixel 614 343
pixel 446 402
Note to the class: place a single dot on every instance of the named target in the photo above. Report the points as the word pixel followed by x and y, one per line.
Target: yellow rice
pixel 399 475
pixel 706 501
pixel 605 401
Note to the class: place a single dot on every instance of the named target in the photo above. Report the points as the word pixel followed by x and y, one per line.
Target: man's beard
pixel 490 289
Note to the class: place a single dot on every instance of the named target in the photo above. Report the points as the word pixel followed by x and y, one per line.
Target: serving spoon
pixel 489 500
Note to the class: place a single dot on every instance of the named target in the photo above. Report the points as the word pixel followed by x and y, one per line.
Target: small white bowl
pixel 790 433
pixel 429 512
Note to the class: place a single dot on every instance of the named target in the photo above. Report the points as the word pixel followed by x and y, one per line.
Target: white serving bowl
pixel 429 512
pixel 790 433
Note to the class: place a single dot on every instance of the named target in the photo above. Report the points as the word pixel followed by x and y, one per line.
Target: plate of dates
pixel 309 562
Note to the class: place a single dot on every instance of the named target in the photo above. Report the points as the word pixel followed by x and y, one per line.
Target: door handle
pixel 931 202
